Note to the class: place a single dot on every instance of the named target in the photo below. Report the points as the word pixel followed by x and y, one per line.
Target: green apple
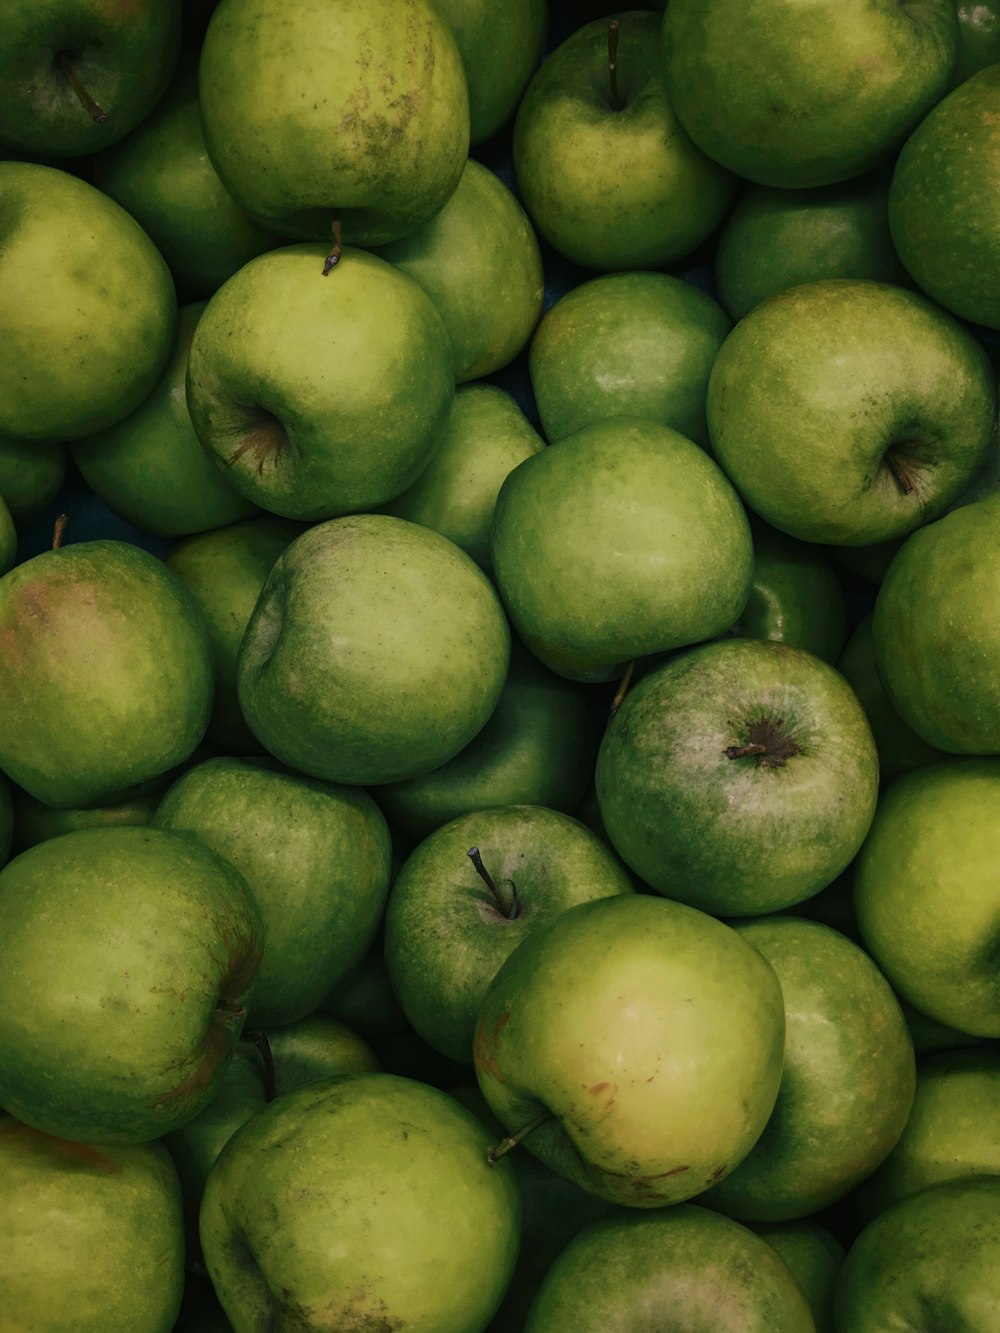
pixel 607 174
pixel 108 672
pixel 944 204
pixel 163 175
pixel 847 1082
pixel 35 822
pixel 789 100
pixel 224 571
pixel 315 1048
pixel 360 1201
pixel 628 344
pixel 150 468
pixel 8 538
pixel 500 45
pixel 740 777
pixel 813 1256
pixel 937 643
pixel 82 287
pixel 451 921
pixel 635 1044
pixel 849 412
pixel 64 1204
pixel 930 1037
pixel 363 998
pixel 76 77
pixel 478 260
pixel 926 892
pixel 129 956
pixel 356 110
pixel 290 377
pixel 316 858
pixel 775 239
pixel 703 1272
pixel 927 1263
pixel 31 476
pixel 487 435
pixel 622 539
pixel 6 819
pixel 978 38
pixel 377 651
pixel 538 748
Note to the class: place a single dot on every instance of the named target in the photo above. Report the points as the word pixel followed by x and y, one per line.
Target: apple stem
pixel 509 912
pixel 259 1038
pixel 333 258
pixel 512 1140
pixel 617 102
pixel 58 528
pixel 94 109
pixel 742 751
pixel 622 689
pixel 900 469
pixel 227 1007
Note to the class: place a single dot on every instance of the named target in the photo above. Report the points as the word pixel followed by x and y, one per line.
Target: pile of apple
pixel 505 831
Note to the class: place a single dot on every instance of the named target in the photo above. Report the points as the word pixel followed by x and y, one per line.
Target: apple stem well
pixel 259 1039
pixel 93 108
pixel 510 910
pixel 768 743
pixel 333 258
pixel 901 467
pixel 617 101
pixel 512 1140
pixel 58 528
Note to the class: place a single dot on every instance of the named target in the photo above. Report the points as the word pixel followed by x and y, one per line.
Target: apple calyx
pixel 615 97
pixel 92 107
pixel 58 528
pixel 259 1039
pixel 333 258
pixel 622 690
pixel 512 1140
pixel 767 742
pixel 509 910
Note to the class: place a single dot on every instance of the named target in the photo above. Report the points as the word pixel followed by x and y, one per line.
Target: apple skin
pixel 928 1262
pixel 61 1205
pixel 925 892
pixel 316 858
pixel 479 262
pixel 628 344
pixel 123 56
pixel 6 819
pixel 649 1035
pixel 357 109
pixel 848 412
pixel 420 650
pixel 114 645
pixel 944 203
pixel 705 1273
pixel 847 1083
pixel 446 936
pixel 622 539
pixel 379 1207
pixel 31 476
pixel 120 1015
pixel 363 998
pixel 938 659
pixel 81 286
pixel 8 538
pixel 813 1256
pixel 751 833
pixel 613 189
pixel 292 419
pixel 800 104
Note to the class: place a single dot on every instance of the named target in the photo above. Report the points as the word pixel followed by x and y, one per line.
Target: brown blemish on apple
pixel 716 1174
pixel 597 1088
pixel 485 1049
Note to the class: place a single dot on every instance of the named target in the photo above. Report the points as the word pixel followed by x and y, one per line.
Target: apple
pixel 35 822
pixel 478 260
pixel 944 204
pixel 363 999
pixel 466 898
pixel 360 1200
pixel 77 77
pixel 635 1045
pixel 978 38
pixel 622 539
pixel 487 435
pixel 290 376
pixel 740 777
pixel 377 651
pixel 64 1204
pixel 31 476
pixel 800 103
pixel 349 110
pixel 813 1256
pixel 6 819
pixel 83 287
pixel 606 172
pixel 316 858
pixel 108 673
pixel 627 344
pixel 8 538
pixel 927 892
pixel 848 412
pixel 847 1082
pixel 129 958
pixel 686 1264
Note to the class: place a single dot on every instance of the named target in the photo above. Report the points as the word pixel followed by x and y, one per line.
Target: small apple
pixel 31 476
pixel 35 822
pixel 8 538
pixel 813 1256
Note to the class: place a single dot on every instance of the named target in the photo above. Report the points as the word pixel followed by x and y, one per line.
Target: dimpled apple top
pixel 357 109
pixel 87 306
pixel 377 650
pixel 850 412
pixel 106 675
pixel 786 95
pixel 640 1042
pixel 620 540
pixel 127 957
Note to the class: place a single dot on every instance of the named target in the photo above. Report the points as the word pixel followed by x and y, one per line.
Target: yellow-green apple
pixel 813 1256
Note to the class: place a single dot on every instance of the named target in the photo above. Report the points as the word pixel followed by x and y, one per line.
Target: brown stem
pixel 333 258
pixel 510 911
pixel 94 109
pixel 742 751
pixel 901 469
pixel 512 1140
pixel 617 101
pixel 622 689
pixel 259 1038
pixel 58 528
pixel 227 1007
